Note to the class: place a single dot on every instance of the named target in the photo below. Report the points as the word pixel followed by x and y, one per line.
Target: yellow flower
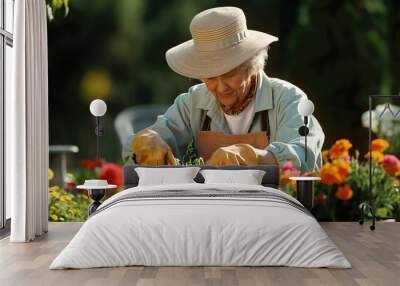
pixel 50 174
pixel 54 189
pixel 379 145
pixel 72 211
pixel 65 198
pixel 54 192
pixel 54 217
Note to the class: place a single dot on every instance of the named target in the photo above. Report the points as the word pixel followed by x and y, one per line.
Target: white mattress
pixel 189 230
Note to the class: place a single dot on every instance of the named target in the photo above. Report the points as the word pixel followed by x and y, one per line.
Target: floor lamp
pixel 368 206
pixel 97 188
pixel 305 185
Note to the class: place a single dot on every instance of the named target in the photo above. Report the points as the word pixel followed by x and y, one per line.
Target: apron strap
pixel 206 123
pixel 265 122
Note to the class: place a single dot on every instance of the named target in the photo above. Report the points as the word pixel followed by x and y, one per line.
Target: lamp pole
pixel 98 108
pixel 305 185
pixel 305 109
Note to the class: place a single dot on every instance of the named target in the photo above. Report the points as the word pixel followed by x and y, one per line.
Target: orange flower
pixel 343 167
pixel 340 148
pixel 325 154
pixel 376 156
pixel 344 193
pixel 285 181
pixel 335 172
pixel 330 175
pixel 379 145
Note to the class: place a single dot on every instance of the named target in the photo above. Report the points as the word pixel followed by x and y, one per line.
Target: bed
pixel 201 224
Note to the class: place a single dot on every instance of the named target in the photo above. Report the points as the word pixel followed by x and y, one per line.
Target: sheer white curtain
pixel 27 124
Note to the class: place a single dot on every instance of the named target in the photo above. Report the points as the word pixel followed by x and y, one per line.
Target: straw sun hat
pixel 220 42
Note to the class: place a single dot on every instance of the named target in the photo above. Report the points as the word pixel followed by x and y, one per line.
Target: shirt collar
pixel 264 97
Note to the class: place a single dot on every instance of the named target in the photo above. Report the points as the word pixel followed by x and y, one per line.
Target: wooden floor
pixel 375 257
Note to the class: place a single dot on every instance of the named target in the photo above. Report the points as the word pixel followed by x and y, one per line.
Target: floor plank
pixel 374 255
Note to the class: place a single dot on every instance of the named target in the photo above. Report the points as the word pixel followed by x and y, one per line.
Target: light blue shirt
pixel 182 121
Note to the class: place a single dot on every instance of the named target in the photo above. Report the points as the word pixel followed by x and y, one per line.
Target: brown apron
pixel 209 141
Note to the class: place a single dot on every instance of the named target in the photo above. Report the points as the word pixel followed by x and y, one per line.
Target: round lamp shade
pixel 98 107
pixel 96 184
pixel 305 107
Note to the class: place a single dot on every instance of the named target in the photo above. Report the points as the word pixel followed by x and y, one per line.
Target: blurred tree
pixel 113 50
pixel 340 52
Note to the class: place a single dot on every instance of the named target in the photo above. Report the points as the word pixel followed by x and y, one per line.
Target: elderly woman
pixel 238 115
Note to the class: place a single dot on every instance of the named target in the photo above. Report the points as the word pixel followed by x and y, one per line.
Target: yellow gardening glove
pixel 237 154
pixel 151 150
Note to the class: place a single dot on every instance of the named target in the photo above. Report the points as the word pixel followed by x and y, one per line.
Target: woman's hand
pixel 237 154
pixel 151 150
pixel 241 154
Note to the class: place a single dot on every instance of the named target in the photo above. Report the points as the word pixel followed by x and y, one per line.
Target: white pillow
pixel 164 176
pixel 249 177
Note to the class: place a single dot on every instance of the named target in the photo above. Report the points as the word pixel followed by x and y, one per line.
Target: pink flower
pixel 289 169
pixel 391 164
pixel 287 166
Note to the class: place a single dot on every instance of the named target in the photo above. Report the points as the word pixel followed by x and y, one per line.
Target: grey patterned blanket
pixel 205 194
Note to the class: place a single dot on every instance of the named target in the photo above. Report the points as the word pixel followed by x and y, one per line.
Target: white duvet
pixel 183 231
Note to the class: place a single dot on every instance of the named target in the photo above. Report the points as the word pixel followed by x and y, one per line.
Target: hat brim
pixel 184 59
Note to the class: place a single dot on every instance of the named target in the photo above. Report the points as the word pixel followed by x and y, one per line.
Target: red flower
pixel 99 162
pixel 91 164
pixel 112 173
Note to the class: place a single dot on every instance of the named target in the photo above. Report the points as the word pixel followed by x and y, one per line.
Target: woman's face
pixel 230 88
